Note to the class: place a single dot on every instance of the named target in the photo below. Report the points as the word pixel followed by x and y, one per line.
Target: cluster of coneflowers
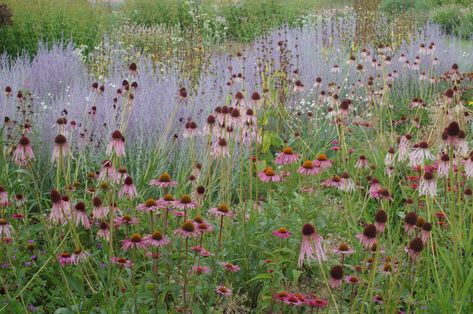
pixel 110 208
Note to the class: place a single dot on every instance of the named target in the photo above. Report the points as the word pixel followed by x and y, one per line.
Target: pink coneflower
pixel 121 261
pixel 298 86
pixel 60 148
pixel 386 268
pixel 286 157
pixel 311 243
pixel 375 188
pixel 117 144
pixel 164 181
pixel 3 197
pixel 202 225
pixel 126 220
pixel 199 270
pixel 221 210
pixel 209 126
pixel 368 237
pixel 317 303
pixel 346 183
pixel 419 154
pixel 428 185
pixel 282 233
pixel 292 299
pixel 157 239
pixel 415 248
pixel 223 291
pixel 410 221
pixel 134 242
pixel 149 206
pixel 362 163
pixel 5 228
pixel 281 296
pixel 308 168
pixel 378 299
pixel 425 231
pixel 343 249
pixel 65 258
pixel 269 175
pixel 79 256
pixel 322 162
pixel 98 211
pixel 187 229
pixel 103 231
pixel 23 152
pixel 60 210
pixel 332 182
pixel 108 172
pixel 380 219
pixel 184 203
pixel 232 268
pixel 128 189
pixel 220 148
pixel 80 215
pixel 352 280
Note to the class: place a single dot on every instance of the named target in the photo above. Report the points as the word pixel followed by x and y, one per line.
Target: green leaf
pixel 295 275
pixel 261 277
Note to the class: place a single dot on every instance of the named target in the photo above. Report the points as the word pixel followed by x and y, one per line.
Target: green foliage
pixel 455 19
pixel 396 6
pixel 51 21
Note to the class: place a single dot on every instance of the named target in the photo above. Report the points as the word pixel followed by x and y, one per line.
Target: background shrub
pixel 51 21
pixel 455 19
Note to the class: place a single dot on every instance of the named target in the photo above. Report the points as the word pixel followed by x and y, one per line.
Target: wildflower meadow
pixel 324 166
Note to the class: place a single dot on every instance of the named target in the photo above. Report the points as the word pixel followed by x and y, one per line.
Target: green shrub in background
pixel 397 6
pixel 159 12
pixel 455 19
pixel 51 21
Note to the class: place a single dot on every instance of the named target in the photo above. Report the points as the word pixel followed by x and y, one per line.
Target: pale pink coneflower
pixel 332 182
pixel 380 220
pixel 443 168
pixel 23 152
pixel 121 261
pixel 157 239
pixel 80 215
pixel 425 231
pixel 298 86
pixel 230 267
pixel 221 210
pixel 269 175
pixel 346 183
pixel 343 249
pixel 311 244
pixel 468 164
pixel 428 185
pixel 164 181
pixel 282 233
pixel 117 144
pixel 98 211
pixel 336 276
pixel 308 168
pixel 3 197
pixel 250 117
pixel 134 242
pixel 187 229
pixel 362 163
pixel 220 148
pixel 149 206
pixel 255 99
pixel 165 201
pixel 184 203
pixel 61 148
pixel 103 232
pixel 368 237
pixel 223 291
pixel 322 162
pixel 419 154
pixel 286 157
pixel 390 157
pixel 65 258
pixel 5 229
pixel 128 189
pixel 415 248
pixel 335 69
pixel 79 256
pixel 404 146
pixel 209 126
pixel 410 222
pixel 126 220
pixel 60 211
pixel 108 172
pixel 352 280
pixel 191 130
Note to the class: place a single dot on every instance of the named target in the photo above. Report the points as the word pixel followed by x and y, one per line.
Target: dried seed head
pixel 308 230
